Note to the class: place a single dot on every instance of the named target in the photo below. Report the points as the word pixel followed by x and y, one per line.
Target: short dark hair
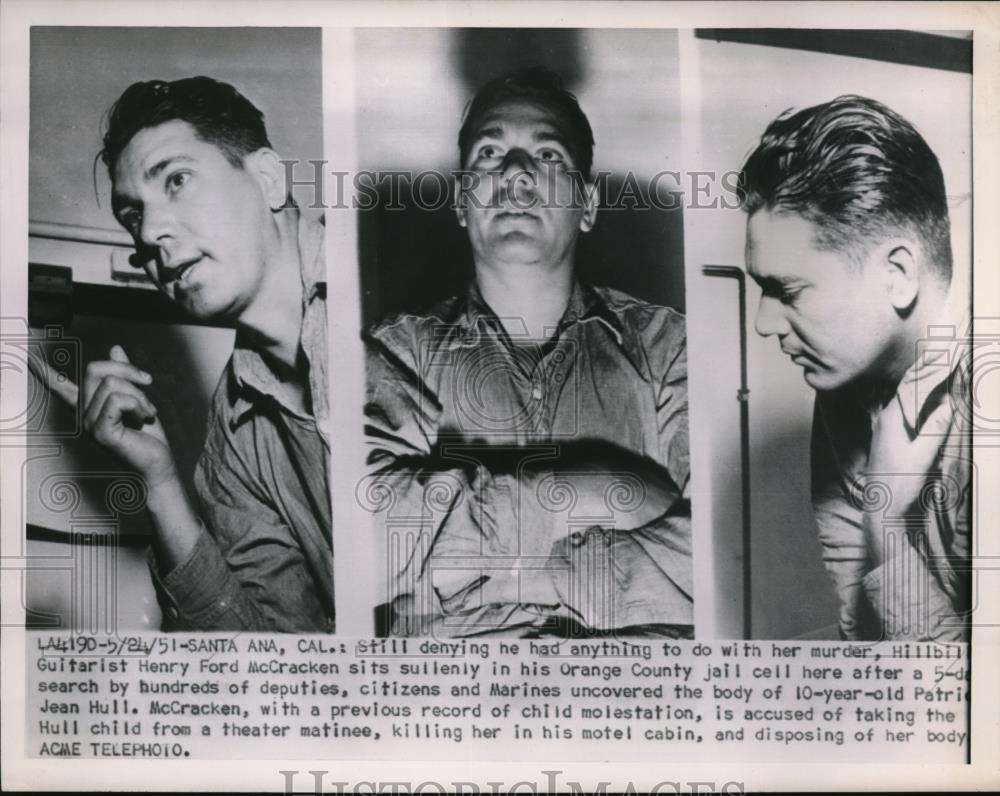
pixel 856 170
pixel 218 112
pixel 540 85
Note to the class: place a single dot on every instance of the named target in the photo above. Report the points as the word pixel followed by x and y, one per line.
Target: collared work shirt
pixel 921 589
pixel 264 559
pixel 462 421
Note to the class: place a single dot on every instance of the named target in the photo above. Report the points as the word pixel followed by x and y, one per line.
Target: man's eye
pixel 789 297
pixel 177 179
pixel 488 152
pixel 550 156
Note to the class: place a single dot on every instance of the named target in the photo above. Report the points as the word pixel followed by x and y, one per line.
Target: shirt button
pixel 536 393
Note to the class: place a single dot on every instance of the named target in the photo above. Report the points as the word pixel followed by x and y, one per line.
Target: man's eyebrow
pixel 551 135
pixel 160 165
pixel 494 131
pixel 119 201
pixel 777 283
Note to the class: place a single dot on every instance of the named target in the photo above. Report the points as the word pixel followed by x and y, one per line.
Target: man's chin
pixel 202 308
pixel 821 380
pixel 519 249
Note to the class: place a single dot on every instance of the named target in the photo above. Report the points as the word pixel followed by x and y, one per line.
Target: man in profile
pixel 848 237
pixel 528 439
pixel 198 186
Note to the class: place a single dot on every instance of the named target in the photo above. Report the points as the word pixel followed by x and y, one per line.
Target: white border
pixel 15 18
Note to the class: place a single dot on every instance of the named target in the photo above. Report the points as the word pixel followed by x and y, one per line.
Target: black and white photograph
pixel 453 396
pixel 523 285
pixel 835 420
pixel 177 301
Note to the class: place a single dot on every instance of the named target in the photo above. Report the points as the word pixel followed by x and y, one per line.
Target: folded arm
pixel 478 537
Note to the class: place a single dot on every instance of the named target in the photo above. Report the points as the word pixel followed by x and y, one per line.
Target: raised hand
pixel 902 463
pixel 117 413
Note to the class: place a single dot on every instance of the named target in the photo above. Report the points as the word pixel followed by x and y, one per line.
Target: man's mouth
pixel 517 214
pixel 180 274
pixel 801 358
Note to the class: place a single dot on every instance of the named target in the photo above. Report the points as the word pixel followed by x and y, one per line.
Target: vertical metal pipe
pixel 743 396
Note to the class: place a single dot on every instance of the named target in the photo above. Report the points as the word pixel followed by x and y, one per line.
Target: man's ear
pixel 590 202
pixel 266 167
pixel 459 207
pixel 902 269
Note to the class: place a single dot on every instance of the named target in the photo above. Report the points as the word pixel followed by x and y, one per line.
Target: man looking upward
pixel 198 186
pixel 487 411
pixel 848 237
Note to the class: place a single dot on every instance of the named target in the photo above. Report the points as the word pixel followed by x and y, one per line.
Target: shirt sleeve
pixel 449 524
pixel 609 578
pixel 908 599
pixel 920 591
pixel 841 535
pixel 672 404
pixel 433 511
pixel 247 570
pixel 917 592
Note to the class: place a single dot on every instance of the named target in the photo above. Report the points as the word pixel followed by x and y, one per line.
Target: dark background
pixel 412 88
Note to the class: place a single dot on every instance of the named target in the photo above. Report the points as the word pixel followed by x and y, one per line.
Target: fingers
pixel 66 390
pixel 926 447
pixel 939 421
pixel 107 425
pixel 116 376
pixel 118 366
pixel 118 354
pixel 53 380
pixel 897 449
pixel 140 407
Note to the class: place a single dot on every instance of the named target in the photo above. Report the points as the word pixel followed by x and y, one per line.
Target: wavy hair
pixel 855 169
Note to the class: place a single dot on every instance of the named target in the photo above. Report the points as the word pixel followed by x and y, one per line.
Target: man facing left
pixel 198 186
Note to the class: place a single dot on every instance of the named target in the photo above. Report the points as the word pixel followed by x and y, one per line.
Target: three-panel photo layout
pixel 652 333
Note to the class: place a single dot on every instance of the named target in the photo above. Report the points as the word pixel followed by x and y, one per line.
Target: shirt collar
pixel 926 382
pixel 585 304
pixel 588 305
pixel 250 372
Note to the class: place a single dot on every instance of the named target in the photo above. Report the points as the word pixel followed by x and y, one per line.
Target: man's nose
pixel 520 174
pixel 770 318
pixel 157 226
pixel 517 159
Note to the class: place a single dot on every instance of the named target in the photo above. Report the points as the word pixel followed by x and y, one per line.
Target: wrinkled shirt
pixel 921 589
pixel 456 407
pixel 264 559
